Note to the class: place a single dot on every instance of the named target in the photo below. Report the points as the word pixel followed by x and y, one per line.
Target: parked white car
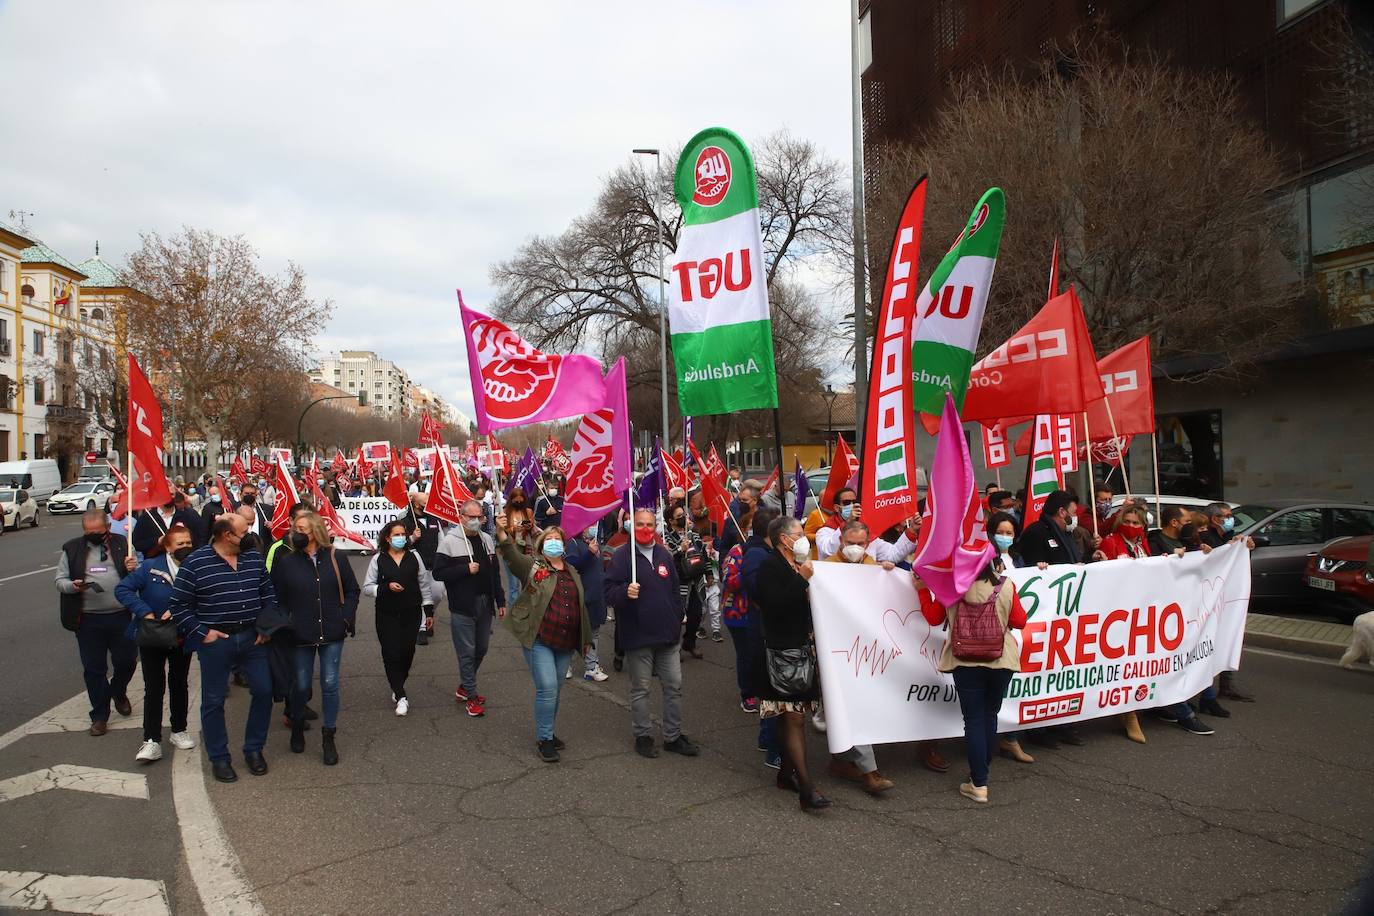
pixel 80 496
pixel 18 506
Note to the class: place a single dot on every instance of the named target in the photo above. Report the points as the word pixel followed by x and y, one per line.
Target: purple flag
pixel 526 475
pixel 803 485
pixel 651 485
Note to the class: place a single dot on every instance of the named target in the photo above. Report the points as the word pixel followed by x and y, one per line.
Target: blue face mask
pixel 1228 523
pixel 591 534
pixel 628 526
pixel 398 542
pixel 1003 541
pixel 553 549
pixel 846 512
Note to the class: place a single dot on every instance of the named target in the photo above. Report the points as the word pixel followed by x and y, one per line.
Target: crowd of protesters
pixel 206 577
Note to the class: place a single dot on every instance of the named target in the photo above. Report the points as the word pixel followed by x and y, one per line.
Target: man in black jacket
pixel 262 525
pixel 1049 540
pixel 88 569
pixel 466 564
pixel 424 532
pixel 152 524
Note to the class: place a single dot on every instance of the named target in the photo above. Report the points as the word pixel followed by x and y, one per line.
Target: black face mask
pixel 249 498
pixel 679 522
pixel 298 540
pixel 181 553
pixel 95 540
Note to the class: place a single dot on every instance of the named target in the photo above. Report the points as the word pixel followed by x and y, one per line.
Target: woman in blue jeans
pixel 981 684
pixel 319 592
pixel 550 619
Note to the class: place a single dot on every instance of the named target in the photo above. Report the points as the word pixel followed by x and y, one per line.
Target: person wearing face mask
pixel 1167 539
pixel 466 564
pixel 858 764
pixel 1220 531
pixel 743 504
pixel 550 620
pixel 1128 536
pixel 523 531
pixel 785 609
pixel 217 596
pixel 648 614
pixel 824 524
pixel 398 578
pixel 88 570
pixel 1003 531
pixel 424 532
pixel 213 507
pixel 1102 507
pixel 261 524
pixel 689 554
pixel 548 508
pixel 147 593
pixel 151 524
pixel 320 594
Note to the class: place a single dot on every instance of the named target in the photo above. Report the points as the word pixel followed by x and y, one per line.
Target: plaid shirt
pixel 562 625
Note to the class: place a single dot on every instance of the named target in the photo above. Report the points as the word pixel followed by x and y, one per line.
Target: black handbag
pixel 792 672
pixel 157 634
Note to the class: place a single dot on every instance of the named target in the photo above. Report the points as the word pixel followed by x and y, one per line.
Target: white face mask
pixel 1073 523
pixel 801 548
pixel 853 553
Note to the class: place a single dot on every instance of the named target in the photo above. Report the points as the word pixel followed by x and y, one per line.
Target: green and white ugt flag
pixel 717 290
pixel 949 311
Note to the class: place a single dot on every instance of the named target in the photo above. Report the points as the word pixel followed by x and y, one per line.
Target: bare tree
pixel 216 319
pixel 1164 194
pixel 596 283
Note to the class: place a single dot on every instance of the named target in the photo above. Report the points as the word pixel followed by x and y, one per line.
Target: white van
pixel 39 477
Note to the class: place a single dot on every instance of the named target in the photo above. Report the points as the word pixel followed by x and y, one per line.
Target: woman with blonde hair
pixel 320 595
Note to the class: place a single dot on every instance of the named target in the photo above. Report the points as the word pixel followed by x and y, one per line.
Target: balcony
pixel 61 413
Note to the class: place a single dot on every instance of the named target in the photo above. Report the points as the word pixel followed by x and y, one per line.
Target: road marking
pixel 214 866
pixel 32 572
pixel 32 890
pixel 77 778
pixel 1310 659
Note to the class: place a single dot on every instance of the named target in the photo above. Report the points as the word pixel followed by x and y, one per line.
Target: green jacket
pixel 525 618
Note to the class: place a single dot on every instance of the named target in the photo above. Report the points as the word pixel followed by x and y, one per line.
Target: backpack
pixel 977 634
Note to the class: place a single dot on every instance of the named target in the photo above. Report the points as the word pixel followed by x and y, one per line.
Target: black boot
pixel 331 753
pixel 298 735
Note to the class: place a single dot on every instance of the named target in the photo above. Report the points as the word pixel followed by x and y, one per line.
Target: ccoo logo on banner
pixel 1101 639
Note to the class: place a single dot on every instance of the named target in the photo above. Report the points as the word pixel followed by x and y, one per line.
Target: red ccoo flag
pixel 148 484
pixel 287 496
pixel 429 431
pixel 447 493
pixel 395 488
pixel 841 472
pixel 258 466
pixel 713 491
pixel 237 471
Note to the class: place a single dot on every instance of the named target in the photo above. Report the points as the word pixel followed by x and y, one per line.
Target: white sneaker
pixel 596 675
pixel 149 752
pixel 568 675
pixel 402 706
pixel 818 721
pixel 182 741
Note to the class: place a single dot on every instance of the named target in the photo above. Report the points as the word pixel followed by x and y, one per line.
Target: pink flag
pixel 601 463
pixel 514 384
pixel 954 542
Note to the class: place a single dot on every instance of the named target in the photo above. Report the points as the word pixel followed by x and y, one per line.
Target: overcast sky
pixel 394 150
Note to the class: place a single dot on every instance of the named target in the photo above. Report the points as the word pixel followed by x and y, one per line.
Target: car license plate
pixel 1326 585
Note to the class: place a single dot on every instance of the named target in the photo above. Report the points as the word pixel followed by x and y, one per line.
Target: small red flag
pixel 395 487
pixel 841 473
pixel 149 487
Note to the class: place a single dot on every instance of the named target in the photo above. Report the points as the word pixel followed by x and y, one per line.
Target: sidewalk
pixel 1295 634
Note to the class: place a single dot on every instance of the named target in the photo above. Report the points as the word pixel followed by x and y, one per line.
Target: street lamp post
pixel 662 289
pixel 300 444
pixel 830 395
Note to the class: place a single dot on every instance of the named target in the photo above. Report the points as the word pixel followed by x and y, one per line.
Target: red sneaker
pixel 461 695
pixel 475 708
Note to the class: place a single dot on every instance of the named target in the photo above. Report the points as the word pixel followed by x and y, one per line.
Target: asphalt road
pixel 438 812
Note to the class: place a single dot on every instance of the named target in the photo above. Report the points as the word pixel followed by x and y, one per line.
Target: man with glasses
pixel 1220 531
pixel 846 510
pixel 466 564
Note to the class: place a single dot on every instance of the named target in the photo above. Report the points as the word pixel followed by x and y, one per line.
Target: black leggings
pixel 163 670
pixel 396 632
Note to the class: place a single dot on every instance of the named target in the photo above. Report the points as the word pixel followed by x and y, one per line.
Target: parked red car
pixel 1341 572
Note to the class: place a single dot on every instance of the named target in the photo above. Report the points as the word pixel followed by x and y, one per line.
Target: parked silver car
pixel 1289 532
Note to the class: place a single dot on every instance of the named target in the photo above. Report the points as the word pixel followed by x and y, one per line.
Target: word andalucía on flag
pixel 949 311
pixel 513 383
pixel 148 486
pixel 717 285
pixel 954 545
pixel 601 469
pixel 889 446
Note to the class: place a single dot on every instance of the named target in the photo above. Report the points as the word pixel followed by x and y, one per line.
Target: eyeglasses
pixel 846 502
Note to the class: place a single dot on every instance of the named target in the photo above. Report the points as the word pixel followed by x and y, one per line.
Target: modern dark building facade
pixel 1302 423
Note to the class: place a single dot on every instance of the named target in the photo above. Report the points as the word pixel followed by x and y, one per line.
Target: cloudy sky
pixel 394 150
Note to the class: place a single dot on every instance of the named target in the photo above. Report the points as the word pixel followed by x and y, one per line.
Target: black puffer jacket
pixel 309 591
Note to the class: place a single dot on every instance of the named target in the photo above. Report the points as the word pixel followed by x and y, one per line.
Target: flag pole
pixel 1092 485
pixel 128 486
pixel 1154 451
pixel 782 486
pixel 634 563
pixel 1121 457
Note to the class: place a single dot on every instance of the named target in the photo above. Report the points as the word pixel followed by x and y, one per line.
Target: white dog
pixel 1361 641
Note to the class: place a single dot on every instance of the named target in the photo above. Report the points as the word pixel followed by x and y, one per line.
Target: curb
pixel 1317 647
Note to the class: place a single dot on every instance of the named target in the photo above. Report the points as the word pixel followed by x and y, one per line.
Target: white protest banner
pixel 365 515
pixel 1100 639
